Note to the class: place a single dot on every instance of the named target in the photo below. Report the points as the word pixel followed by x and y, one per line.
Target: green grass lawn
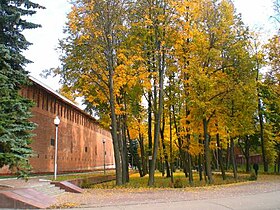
pixel 64 177
pixel 180 181
pixel 242 168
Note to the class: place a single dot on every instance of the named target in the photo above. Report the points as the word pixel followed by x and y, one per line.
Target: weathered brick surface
pixel 80 138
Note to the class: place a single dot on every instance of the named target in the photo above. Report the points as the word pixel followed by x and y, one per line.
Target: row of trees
pixel 164 72
pixel 180 77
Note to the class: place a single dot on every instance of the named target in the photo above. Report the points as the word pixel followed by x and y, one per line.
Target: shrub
pixel 253 177
pixel 178 183
pixel 86 184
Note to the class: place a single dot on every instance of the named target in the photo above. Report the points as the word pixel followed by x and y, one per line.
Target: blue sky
pixel 255 13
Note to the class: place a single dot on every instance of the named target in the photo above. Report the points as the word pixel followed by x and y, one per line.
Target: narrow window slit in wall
pixel 52 142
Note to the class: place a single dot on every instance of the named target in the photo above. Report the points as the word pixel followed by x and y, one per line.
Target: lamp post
pixel 104 152
pixel 56 123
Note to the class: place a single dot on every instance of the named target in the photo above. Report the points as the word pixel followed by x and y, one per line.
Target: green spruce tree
pixel 15 127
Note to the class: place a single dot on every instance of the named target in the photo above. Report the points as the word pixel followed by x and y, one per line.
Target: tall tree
pixel 158 18
pixel 259 64
pixel 217 72
pixel 150 27
pixel 270 92
pixel 15 127
pixel 92 64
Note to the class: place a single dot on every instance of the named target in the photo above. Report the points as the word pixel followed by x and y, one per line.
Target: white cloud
pixel 257 14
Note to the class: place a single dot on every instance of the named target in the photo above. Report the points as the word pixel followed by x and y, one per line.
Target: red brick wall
pixel 80 138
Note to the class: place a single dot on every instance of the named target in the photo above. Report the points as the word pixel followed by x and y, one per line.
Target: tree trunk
pixel 125 160
pixel 150 138
pixel 114 130
pixel 247 153
pixel 228 156
pixel 156 135
pixel 278 162
pixel 171 146
pixel 164 148
pixel 110 58
pixel 200 168
pixel 220 157
pixel 135 157
pixel 121 148
pixel 143 158
pixel 261 120
pixel 181 152
pixel 158 113
pixel 234 168
pixel 168 173
pixel 183 158
pixel 190 168
pixel 125 153
pixel 204 169
pixel 161 162
pixel 157 131
pixel 185 165
pixel 265 163
pixel 160 59
pixel 207 152
pixel 126 140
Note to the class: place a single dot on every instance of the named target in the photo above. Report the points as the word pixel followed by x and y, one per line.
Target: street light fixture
pixel 56 123
pixel 104 152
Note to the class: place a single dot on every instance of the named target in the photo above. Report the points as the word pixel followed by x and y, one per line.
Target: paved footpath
pixel 260 201
pixel 20 183
pixel 259 195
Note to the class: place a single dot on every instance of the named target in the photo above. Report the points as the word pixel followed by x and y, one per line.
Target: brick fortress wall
pixel 80 138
